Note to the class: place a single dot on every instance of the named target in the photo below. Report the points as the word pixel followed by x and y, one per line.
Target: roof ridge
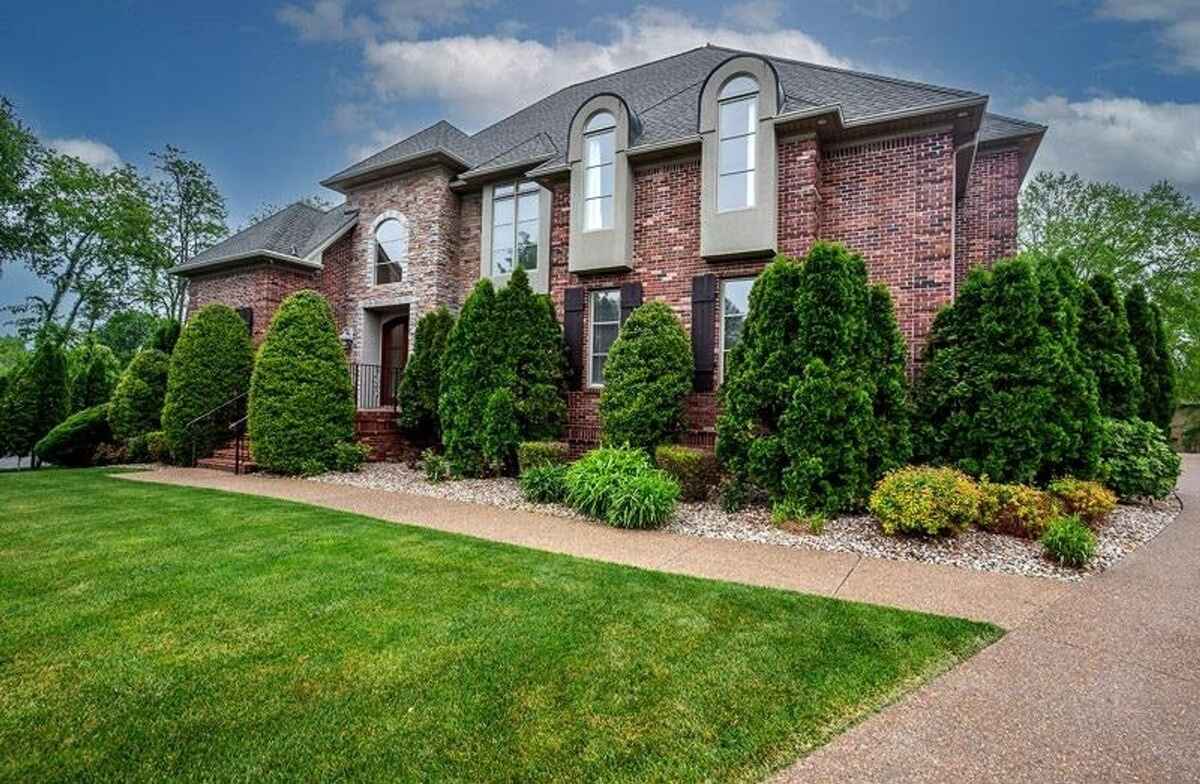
pixel 852 72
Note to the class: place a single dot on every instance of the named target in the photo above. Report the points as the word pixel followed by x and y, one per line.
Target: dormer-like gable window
pixel 737 126
pixel 601 186
pixel 599 144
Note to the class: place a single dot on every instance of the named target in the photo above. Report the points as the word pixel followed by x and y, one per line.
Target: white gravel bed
pixel 1125 529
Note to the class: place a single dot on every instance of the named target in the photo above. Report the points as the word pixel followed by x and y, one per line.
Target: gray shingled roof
pixel 292 233
pixel 996 127
pixel 664 95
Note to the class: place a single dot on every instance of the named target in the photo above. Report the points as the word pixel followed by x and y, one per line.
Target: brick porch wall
pixel 986 220
pixel 260 287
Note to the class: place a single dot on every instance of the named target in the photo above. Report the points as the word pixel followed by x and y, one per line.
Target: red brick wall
pixel 260 287
pixel 986 220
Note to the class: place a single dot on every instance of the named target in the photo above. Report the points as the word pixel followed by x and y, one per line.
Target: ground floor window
pixel 735 304
pixel 605 318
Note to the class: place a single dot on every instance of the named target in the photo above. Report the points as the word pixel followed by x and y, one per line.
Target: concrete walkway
pixel 1102 686
pixel 1005 600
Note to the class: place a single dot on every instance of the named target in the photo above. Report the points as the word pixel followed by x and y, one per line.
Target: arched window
pixel 599 142
pixel 391 251
pixel 737 126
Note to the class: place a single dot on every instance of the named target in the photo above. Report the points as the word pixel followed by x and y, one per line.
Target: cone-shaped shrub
pixel 209 367
pixel 94 370
pixel 421 384
pixel 814 405
pixel 1107 349
pixel 1005 390
pixel 646 379
pixel 36 399
pixel 136 405
pixel 301 399
pixel 1154 357
pixel 536 353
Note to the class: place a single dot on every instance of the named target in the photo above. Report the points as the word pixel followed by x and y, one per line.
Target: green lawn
pixel 151 632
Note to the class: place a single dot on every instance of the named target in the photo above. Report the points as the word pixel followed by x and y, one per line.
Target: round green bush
pixel 74 441
pixel 210 366
pixel 534 454
pixel 696 470
pixel 925 500
pixel 647 377
pixel 1136 461
pixel 544 484
pixel 1069 541
pixel 137 402
pixel 301 400
pixel 422 380
pixel 643 500
pixel 593 479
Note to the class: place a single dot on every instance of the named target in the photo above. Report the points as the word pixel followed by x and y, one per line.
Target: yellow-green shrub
pixel 925 500
pixel 1092 501
pixel 1016 510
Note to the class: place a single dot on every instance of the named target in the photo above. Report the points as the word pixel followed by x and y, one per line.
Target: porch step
pixel 224 458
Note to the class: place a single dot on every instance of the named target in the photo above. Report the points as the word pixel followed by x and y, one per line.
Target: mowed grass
pixel 151 632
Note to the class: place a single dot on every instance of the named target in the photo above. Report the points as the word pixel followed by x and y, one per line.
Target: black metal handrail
pixel 375 386
pixel 211 414
pixel 239 432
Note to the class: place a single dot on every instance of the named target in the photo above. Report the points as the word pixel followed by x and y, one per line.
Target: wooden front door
pixel 394 355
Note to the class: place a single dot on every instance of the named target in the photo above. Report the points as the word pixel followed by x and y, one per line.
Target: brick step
pixel 228 465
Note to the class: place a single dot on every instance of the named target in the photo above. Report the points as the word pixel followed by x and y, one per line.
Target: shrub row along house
pixel 676 181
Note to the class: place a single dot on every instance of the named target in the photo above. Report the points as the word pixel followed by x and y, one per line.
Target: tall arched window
pixel 599 142
pixel 391 251
pixel 737 126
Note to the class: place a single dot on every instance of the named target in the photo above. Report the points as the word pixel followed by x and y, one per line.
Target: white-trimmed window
pixel 515 227
pixel 599 144
pixel 735 304
pixel 605 320
pixel 737 124
pixel 391 251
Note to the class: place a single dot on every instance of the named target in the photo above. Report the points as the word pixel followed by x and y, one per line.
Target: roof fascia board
pixel 400 164
pixel 221 261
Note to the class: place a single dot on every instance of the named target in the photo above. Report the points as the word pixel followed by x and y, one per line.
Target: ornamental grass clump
pixel 1069 541
pixel 544 484
pixel 644 500
pixel 1016 510
pixel 618 485
pixel 1090 501
pixel 926 501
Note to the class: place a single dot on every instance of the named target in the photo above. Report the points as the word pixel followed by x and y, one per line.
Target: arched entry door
pixel 394 354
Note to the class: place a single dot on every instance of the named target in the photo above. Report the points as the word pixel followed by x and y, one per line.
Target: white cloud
pixel 1126 140
pixel 1178 24
pixel 881 9
pixel 478 79
pixel 89 151
pixel 333 20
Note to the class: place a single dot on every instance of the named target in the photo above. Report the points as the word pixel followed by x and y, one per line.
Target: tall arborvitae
pixel 891 437
pixel 536 354
pixel 421 384
pixel 1164 406
pixel 37 398
pixel 1149 342
pixel 1104 340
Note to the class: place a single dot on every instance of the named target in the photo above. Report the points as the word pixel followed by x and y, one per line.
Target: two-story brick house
pixel 676 180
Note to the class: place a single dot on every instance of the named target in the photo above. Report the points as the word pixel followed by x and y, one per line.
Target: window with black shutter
pixel 573 334
pixel 704 319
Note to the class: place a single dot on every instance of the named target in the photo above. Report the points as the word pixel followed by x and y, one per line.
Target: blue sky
pixel 274 96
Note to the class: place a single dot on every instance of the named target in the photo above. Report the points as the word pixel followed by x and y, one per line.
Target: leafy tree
pixel 165 335
pixel 818 356
pixel 535 358
pixel 92 371
pixel 1006 391
pixel 19 156
pixel 474 366
pixel 190 216
pixel 301 398
pixel 126 331
pixel 1149 237
pixel 137 402
pixel 647 377
pixel 1104 341
pixel 1147 333
pixel 36 399
pixel 421 384
pixel 209 369
pixel 12 350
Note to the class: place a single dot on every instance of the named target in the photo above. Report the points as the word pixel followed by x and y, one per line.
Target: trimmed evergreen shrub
pixel 696 470
pixel 926 500
pixel 348 456
pixel 157 446
pixel 535 356
pixel 1136 461
pixel 500 435
pixel 1090 501
pixel 1016 510
pixel 1006 392
pixel 301 406
pixel 643 500
pixel 210 366
pixel 136 406
pixel 1157 370
pixel 93 370
pixel 1068 541
pixel 436 466
pixel 545 484
pixel 647 377
pixel 74 441
pixel 165 336
pixel 814 405
pixel 37 398
pixel 421 383
pixel 535 454
pixel 1104 341
pixel 137 449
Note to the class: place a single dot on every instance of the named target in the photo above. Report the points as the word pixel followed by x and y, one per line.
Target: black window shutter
pixel 704 320
pixel 573 333
pixel 631 298
pixel 247 315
